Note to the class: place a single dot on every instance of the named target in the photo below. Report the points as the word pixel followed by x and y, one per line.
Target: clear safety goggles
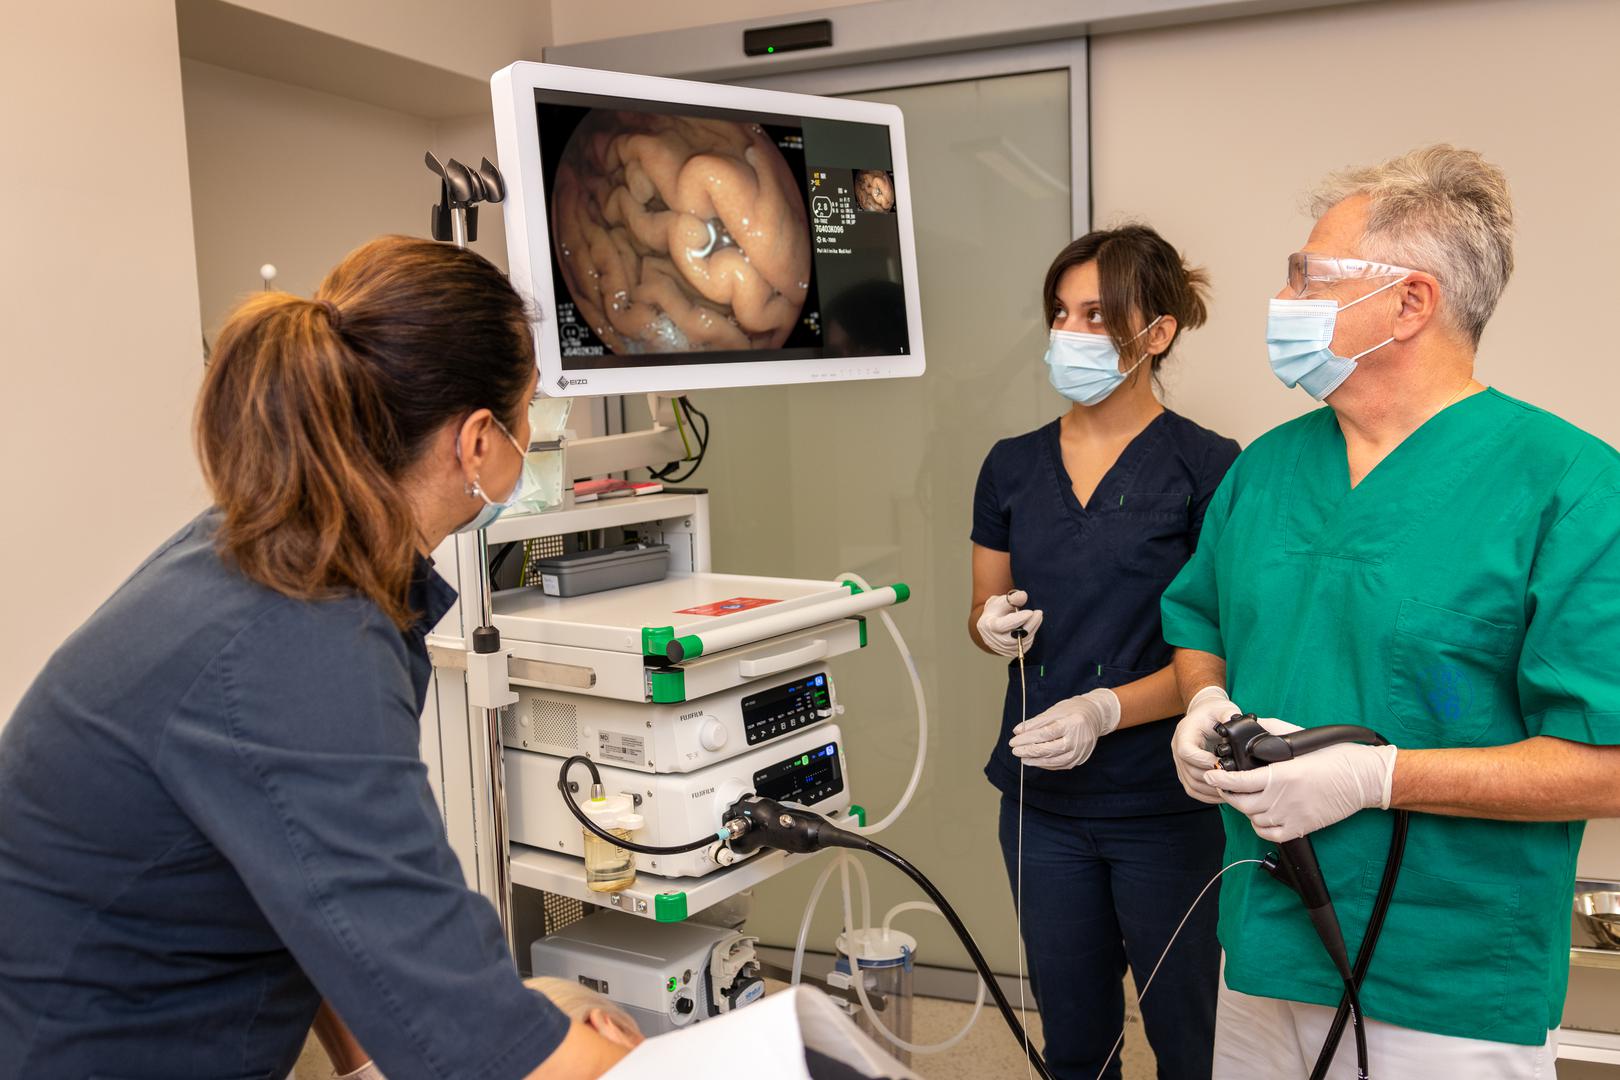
pixel 1308 273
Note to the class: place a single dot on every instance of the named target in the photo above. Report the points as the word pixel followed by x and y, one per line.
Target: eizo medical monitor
pixel 677 235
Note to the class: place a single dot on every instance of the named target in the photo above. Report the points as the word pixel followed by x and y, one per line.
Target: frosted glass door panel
pixel 877 478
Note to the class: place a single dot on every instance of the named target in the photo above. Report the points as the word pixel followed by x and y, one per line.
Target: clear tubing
pixel 909 905
pixel 843 860
pixel 809 913
pixel 815 898
pixel 922 716
pixel 860 983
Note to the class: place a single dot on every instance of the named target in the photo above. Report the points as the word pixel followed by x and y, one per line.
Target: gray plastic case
pixel 598 571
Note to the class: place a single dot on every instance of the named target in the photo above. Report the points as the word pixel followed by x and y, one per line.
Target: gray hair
pixel 1441 210
pixel 576 1001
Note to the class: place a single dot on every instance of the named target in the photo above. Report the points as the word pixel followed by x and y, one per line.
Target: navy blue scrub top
pixel 1097 572
pixel 213 812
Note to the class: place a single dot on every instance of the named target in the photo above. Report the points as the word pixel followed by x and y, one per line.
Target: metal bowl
pixel 1597 911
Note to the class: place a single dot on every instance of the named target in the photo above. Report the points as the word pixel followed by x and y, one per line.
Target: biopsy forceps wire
pixel 1018 888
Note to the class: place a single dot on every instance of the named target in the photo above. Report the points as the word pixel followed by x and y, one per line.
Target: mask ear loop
pixel 1145 355
pixel 471 488
pixel 1369 296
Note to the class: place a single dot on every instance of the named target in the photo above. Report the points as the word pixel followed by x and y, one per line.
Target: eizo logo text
pixel 563 383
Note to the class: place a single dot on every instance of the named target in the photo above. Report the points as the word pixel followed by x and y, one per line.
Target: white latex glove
pixel 1292 798
pixel 368 1071
pixel 1194 741
pixel 1065 735
pixel 1001 616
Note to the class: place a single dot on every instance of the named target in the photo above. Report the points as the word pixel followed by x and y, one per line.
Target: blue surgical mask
pixel 1299 334
pixel 1085 367
pixel 492 509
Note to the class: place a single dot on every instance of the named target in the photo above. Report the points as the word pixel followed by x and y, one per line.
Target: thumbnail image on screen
pixel 680 229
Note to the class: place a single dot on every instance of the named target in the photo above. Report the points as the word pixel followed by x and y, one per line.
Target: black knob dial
pixel 684 1005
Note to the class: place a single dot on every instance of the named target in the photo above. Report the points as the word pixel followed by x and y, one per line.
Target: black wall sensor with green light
pixel 770 40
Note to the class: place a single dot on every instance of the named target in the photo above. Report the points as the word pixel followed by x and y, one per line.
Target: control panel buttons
pixel 787 708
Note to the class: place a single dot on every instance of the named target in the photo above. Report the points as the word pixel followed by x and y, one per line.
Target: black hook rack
pixel 461 189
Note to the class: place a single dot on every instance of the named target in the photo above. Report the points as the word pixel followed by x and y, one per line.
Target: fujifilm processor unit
pixel 675 738
pixel 804 767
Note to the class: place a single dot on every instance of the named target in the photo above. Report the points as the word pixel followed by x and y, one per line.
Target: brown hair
pixel 312 410
pixel 1141 278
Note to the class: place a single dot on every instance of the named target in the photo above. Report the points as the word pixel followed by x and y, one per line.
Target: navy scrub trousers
pixel 1114 851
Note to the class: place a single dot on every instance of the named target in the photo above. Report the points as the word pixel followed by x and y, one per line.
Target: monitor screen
pixel 678 235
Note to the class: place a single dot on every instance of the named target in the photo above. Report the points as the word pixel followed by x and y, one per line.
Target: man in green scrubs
pixel 1436 561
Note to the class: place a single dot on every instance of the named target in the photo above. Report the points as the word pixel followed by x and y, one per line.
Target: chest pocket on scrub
pixel 1444 674
pixel 1149 532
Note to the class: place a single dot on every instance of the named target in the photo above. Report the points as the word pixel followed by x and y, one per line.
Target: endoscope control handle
pixel 1246 744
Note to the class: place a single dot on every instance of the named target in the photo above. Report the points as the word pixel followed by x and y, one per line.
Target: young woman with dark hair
pixel 213 812
pixel 1078 527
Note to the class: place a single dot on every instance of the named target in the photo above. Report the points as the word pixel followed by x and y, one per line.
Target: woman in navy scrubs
pixel 213 810
pixel 1078 527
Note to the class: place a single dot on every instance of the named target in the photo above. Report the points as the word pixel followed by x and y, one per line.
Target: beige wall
pixel 472 37
pixel 101 279
pixel 101 351
pixel 573 21
pixel 295 177
pixel 1213 132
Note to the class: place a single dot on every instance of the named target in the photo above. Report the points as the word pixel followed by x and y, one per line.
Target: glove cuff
pixel 1387 755
pixel 1108 701
pixel 368 1071
pixel 1208 693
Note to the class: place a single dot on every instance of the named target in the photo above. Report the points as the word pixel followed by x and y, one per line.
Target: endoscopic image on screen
pixel 874 191
pixel 678 234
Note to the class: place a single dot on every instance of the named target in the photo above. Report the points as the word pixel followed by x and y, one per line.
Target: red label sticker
pixel 728 607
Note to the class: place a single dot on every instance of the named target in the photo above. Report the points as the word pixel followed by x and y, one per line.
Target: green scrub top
pixel 1465 593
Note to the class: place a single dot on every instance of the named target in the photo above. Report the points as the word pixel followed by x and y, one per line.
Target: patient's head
pixel 588 1007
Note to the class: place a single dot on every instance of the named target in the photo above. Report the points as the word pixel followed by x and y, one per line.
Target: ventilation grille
pixel 541 723
pixel 512 731
pixel 561 912
pixel 535 549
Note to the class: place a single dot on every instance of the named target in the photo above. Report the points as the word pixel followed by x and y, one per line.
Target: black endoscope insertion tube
pixel 1369 940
